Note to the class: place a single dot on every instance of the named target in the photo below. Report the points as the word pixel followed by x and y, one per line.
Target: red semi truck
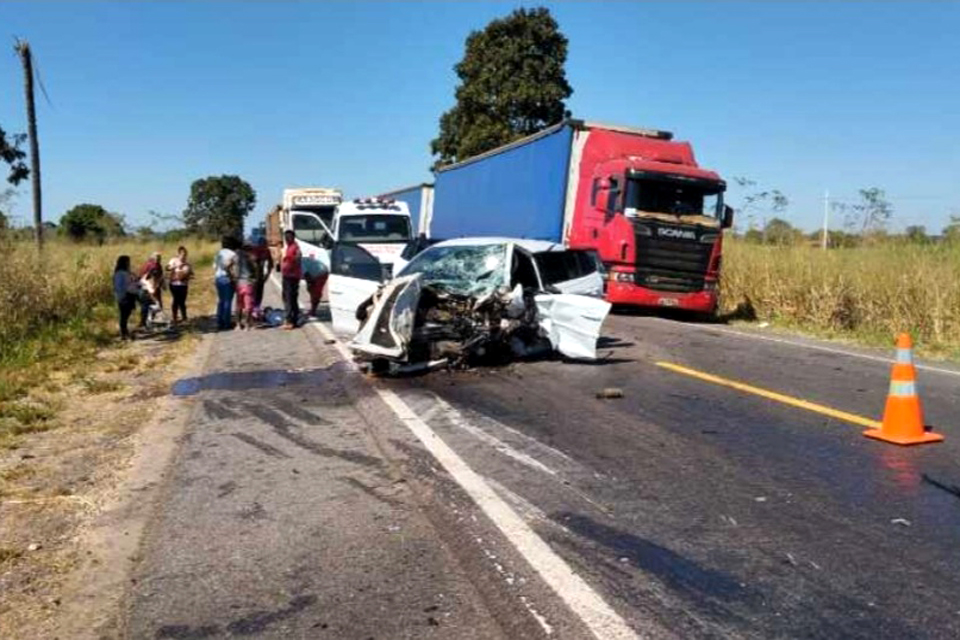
pixel 635 196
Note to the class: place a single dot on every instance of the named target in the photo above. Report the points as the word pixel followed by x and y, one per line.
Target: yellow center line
pixel 772 395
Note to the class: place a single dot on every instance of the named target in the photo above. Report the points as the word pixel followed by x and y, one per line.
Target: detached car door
pixel 572 322
pixel 355 275
pixel 571 271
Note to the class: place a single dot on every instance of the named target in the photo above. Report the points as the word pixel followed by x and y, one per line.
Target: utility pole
pixel 826 218
pixel 23 48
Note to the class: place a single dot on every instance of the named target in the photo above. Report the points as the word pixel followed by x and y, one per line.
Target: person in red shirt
pixel 292 272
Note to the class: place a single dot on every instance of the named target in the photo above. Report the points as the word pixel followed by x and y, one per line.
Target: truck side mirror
pixel 727 221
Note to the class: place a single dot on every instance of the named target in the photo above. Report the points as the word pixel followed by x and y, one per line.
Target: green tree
pixel 916 233
pixel 781 232
pixel 951 232
pixel 91 222
pixel 871 214
pixel 11 154
pixel 759 201
pixel 512 84
pixel 6 197
pixel 218 206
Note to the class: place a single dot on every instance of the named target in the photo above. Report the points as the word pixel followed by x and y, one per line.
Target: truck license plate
pixel 667 302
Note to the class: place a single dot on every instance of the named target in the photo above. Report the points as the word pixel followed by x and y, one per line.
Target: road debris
pixel 609 393
pixel 36 546
pixel 760 499
pixel 903 522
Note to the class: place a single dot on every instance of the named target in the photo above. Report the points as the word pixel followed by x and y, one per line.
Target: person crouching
pixel 315 274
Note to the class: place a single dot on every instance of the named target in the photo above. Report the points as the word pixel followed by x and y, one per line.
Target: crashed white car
pixel 467 300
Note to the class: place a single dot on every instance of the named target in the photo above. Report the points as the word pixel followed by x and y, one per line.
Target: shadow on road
pixel 261 379
pixel 744 311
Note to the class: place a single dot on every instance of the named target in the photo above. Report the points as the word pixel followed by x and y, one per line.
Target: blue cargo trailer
pixel 419 199
pixel 517 190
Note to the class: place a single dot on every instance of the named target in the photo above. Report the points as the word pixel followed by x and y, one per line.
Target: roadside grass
pixel 865 294
pixel 57 313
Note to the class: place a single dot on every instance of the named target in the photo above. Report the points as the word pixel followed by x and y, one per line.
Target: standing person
pixel 224 270
pixel 151 282
pixel 246 281
pixel 180 272
pixel 125 291
pixel 263 261
pixel 292 273
pixel 315 273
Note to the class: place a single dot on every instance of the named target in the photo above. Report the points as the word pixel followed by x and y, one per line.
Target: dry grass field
pixel 867 294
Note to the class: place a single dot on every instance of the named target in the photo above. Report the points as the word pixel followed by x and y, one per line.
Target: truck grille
pixel 672 263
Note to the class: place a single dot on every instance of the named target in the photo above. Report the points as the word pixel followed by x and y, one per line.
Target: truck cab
pixel 309 213
pixel 656 219
pixel 381 226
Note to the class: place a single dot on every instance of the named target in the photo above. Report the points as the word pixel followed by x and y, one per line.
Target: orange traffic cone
pixel 903 416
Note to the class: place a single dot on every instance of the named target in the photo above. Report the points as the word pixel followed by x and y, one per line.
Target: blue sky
pixel 145 98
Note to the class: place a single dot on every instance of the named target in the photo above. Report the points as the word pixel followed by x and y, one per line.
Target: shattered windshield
pixel 466 270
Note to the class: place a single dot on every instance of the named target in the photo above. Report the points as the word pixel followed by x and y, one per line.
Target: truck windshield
pixel 677 197
pixel 374 228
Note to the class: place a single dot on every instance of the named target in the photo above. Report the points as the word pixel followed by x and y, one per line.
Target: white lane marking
pixel 804 345
pixel 457 420
pixel 587 604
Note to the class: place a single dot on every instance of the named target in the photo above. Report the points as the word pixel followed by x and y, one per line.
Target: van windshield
pixel 677 197
pixel 374 228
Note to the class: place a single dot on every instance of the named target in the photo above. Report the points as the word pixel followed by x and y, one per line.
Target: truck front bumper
pixel 630 294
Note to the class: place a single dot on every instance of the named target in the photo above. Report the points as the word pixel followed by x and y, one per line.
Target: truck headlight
pixel 620 276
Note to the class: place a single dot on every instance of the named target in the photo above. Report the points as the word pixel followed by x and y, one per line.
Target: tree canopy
pixel 218 206
pixel 512 84
pixel 91 221
pixel 11 154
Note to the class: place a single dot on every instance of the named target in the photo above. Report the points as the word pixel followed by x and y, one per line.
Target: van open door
pixel 355 275
pixel 313 235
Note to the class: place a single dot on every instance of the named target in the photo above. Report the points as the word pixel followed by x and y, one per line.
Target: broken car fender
pixel 572 322
pixel 389 326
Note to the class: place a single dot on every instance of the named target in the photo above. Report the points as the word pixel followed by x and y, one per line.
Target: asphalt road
pixel 702 511
pixel 300 504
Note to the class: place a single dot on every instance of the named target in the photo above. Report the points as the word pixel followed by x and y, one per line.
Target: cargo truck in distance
pixel 635 196
pixel 308 211
pixel 320 217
